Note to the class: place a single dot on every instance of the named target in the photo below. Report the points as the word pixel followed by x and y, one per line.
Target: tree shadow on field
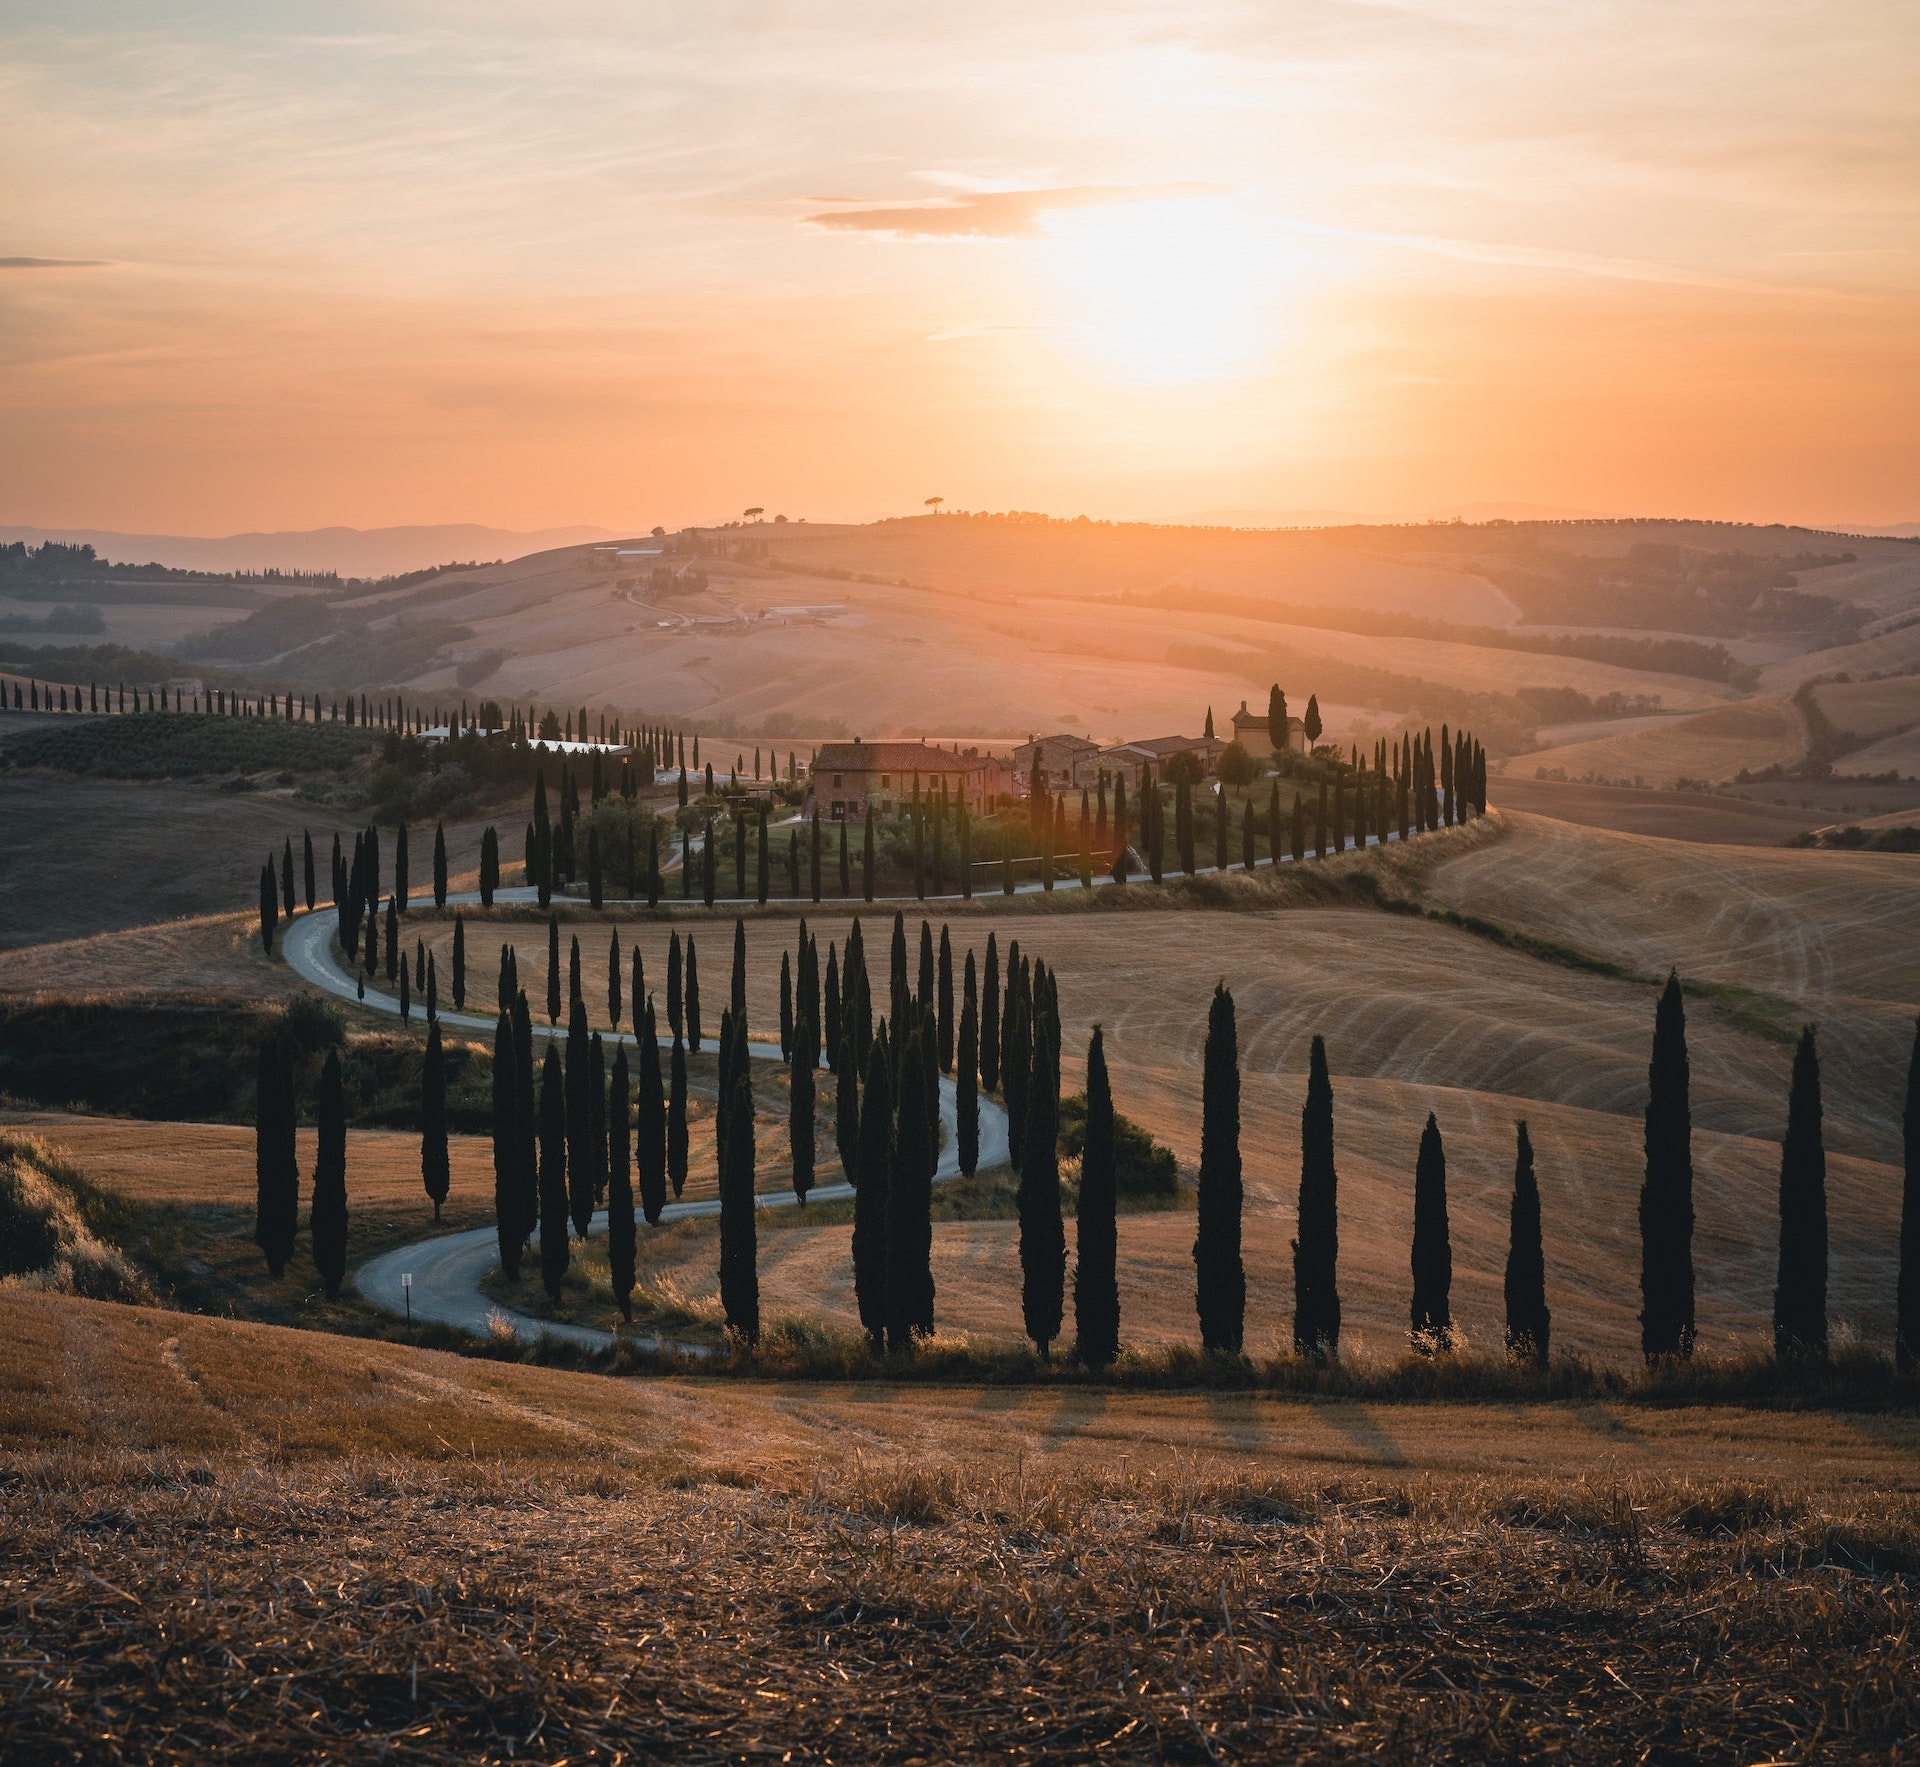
pixel 1235 1417
pixel 1080 1408
pixel 1362 1427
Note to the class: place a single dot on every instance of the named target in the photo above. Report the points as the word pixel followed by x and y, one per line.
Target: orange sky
pixel 270 267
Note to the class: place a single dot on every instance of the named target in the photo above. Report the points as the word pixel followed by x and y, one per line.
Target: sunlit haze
pixel 273 266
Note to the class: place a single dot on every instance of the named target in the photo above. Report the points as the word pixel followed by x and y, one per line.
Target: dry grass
pixel 1703 817
pixel 226 1542
pixel 1711 745
pixel 1868 708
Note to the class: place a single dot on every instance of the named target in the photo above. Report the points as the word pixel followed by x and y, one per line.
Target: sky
pixel 277 266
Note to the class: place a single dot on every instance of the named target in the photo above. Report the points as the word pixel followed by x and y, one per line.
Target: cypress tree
pixel 439 865
pixel 276 1166
pixel 575 994
pixel 737 991
pixel 786 1007
pixel 526 1120
pixel 1016 1063
pixel 923 992
pixel 286 877
pixel 1666 1195
pixel 990 1019
pixel 579 1080
pixel 966 1085
pixel 944 1002
pixel 1316 1252
pixel 1246 837
pixel 406 1004
pixel 909 1220
pixel 693 998
pixel 846 1108
pixel 831 1010
pixel 553 969
pixel 1800 1297
pixel 620 1190
pixel 739 1251
pixel 306 839
pixel 435 1172
pixel 806 993
pixel 489 866
pixel 866 858
pixel 740 853
pixel 708 864
pixel 674 995
pixel 1432 1245
pixel 400 868
pixel 1043 1237
pixel 651 1121
pixel 433 992
pixel 1220 843
pixel 614 1003
pixel 1220 1280
pixel 554 1252
pixel 677 1117
pixel 1096 1287
pixel 506 1212
pixel 1906 1336
pixel 419 965
pixel 459 963
pixel 269 907
pixel 1528 1321
pixel 813 856
pixel 874 1162
pixel 328 1224
pixel 597 1120
pixel 800 1101
pixel 762 879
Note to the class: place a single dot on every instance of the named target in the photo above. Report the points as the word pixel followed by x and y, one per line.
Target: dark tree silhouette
pixel 1666 1195
pixel 276 1166
pixel 1800 1295
pixel 874 1165
pixel 1096 1289
pixel 1906 1338
pixel 1043 1239
pixel 506 1212
pixel 909 1219
pixel 435 1171
pixel 1316 1252
pixel 620 1189
pixel 554 1251
pixel 1528 1320
pixel 1220 1285
pixel 1432 1245
pixel 328 1226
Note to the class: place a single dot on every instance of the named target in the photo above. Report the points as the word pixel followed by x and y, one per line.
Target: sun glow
pixel 1169 293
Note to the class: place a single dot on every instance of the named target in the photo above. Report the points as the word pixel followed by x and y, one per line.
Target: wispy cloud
pixel 994 214
pixel 51 263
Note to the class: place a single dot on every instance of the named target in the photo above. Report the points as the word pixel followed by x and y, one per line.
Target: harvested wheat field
pixel 232 1542
pixel 1711 745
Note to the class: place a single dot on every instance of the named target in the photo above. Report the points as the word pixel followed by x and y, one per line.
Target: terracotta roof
pixel 1166 745
pixel 892 757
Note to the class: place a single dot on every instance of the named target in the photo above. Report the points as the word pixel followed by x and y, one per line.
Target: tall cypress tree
pixel 597 1120
pixel 575 993
pixel 620 1189
pixel 439 865
pixel 459 963
pixel 846 1107
pixel 526 1119
pixel 553 969
pixel 505 1149
pixel 786 1006
pixel 1666 1195
pixel 306 838
pixel 554 1251
pixel 990 1018
pixel 761 881
pixel 1800 1296
pixel 693 998
pixel 739 1250
pixel 966 1085
pixel 831 1014
pixel 1096 1288
pixel 1016 1063
pixel 276 1166
pixel 579 1080
pixel 400 868
pixel 1528 1321
pixel 1220 1278
pixel 677 1117
pixel 1043 1236
pixel 327 1228
pixel 650 1122
pixel 943 1022
pixel 737 990
pixel 866 857
pixel 874 1164
pixel 800 1100
pixel 435 1171
pixel 909 1220
pixel 1432 1244
pixel 1316 1252
pixel 674 993
pixel 614 1002
pixel 639 989
pixel 1906 1335
pixel 269 907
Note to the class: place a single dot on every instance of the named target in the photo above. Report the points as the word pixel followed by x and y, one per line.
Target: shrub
pixel 1144 1171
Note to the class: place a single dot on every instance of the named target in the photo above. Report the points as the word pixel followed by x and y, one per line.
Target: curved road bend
pixel 447 1271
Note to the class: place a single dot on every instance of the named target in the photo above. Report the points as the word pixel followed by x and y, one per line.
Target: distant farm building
pixel 848 776
pixel 1250 731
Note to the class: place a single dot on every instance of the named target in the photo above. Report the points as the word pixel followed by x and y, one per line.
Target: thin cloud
pixel 51 263
pixel 995 214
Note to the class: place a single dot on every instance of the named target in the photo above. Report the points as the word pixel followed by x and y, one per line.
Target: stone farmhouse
pixel 848 776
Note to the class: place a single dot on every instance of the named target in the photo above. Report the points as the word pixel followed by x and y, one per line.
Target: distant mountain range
pixel 353 552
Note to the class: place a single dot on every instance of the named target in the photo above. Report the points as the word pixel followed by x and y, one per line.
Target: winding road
pixel 447 1270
